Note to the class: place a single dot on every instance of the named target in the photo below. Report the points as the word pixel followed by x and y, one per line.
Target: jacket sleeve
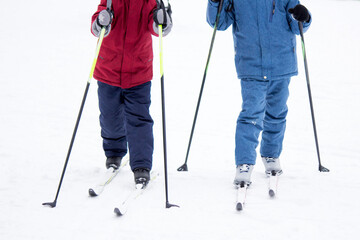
pixel 226 17
pixel 102 6
pixel 294 26
pixel 151 8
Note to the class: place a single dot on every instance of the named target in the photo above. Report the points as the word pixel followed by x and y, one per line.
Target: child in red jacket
pixel 124 72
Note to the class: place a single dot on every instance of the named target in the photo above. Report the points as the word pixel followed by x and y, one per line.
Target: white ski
pixel 130 199
pixel 110 174
pixel 241 195
pixel 273 183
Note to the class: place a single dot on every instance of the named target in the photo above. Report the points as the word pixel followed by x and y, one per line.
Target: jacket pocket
pixel 108 65
pixel 142 62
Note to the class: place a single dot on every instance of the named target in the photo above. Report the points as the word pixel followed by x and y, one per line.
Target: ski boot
pixel 272 166
pixel 113 162
pixel 243 174
pixel 141 176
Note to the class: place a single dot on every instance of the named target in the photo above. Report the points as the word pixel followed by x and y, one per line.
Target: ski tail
pixel 241 195
pixel 273 183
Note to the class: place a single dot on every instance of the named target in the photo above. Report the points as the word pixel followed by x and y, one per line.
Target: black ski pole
pixel 184 167
pixel 167 204
pixel 321 168
pixel 101 37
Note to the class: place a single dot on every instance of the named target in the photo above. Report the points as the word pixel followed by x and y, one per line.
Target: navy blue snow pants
pixel 263 109
pixel 126 123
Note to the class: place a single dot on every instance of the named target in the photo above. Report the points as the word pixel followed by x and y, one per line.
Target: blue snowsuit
pixel 265 58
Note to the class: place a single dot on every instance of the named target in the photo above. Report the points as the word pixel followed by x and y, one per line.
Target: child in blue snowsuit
pixel 265 58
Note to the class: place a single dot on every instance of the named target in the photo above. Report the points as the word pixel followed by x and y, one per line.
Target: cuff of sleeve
pixel 308 22
pixel 214 4
pixel 155 29
pixel 166 30
pixel 95 29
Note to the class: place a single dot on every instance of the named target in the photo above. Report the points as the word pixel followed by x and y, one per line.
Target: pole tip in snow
pixel 92 193
pixel 117 212
pixel 183 168
pixel 323 169
pixel 169 205
pixel 50 204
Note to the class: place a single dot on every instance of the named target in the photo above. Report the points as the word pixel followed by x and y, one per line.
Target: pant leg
pixel 139 125
pixel 112 120
pixel 275 118
pixel 250 121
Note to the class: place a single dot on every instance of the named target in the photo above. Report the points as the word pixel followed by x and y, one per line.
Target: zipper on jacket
pixel 126 7
pixel 272 11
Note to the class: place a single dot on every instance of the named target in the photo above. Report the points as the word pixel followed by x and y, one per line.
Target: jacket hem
pixel 123 86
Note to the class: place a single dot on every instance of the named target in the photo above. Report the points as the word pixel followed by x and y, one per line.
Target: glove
pixel 300 13
pixel 162 16
pixel 104 19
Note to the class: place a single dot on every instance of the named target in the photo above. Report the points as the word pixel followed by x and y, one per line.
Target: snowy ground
pixel 45 56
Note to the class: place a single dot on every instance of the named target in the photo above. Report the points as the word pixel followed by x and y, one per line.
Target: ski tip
pixel 92 193
pixel 239 207
pixel 271 193
pixel 117 212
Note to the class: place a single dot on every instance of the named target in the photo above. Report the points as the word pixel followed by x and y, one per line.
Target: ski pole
pixel 184 167
pixel 321 168
pixel 101 37
pixel 167 204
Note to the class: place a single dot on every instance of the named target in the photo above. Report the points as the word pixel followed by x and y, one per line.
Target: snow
pixel 45 54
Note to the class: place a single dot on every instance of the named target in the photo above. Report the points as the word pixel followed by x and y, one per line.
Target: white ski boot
pixel 272 166
pixel 243 174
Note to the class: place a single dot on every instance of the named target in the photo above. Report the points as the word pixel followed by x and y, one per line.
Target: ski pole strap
pixel 108 4
pixel 160 3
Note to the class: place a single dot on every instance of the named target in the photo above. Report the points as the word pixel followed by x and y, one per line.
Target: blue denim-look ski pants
pixel 126 123
pixel 263 109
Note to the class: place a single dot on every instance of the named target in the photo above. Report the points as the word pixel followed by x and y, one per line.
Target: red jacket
pixel 126 55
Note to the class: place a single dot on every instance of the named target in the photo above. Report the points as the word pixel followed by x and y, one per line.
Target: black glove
pixel 300 13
